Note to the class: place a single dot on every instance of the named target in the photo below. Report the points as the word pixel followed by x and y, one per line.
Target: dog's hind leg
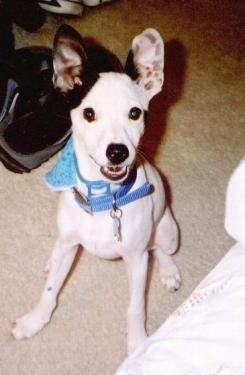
pixel 137 266
pixel 167 233
pixel 59 266
pixel 166 241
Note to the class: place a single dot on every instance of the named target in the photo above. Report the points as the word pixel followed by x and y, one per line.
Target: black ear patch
pixel 69 58
pixel 130 68
pixel 99 60
pixel 66 31
pixel 78 62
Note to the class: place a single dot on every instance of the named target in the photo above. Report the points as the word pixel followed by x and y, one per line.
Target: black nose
pixel 117 153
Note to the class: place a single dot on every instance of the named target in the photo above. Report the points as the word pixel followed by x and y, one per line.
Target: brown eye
pixel 134 113
pixel 89 114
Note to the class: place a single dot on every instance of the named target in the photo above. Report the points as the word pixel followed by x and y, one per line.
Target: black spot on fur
pixel 130 68
pixel 99 60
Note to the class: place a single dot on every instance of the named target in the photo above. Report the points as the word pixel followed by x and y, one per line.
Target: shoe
pixel 72 7
pixel 92 3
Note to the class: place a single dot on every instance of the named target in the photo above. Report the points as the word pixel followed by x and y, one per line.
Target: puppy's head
pixel 109 104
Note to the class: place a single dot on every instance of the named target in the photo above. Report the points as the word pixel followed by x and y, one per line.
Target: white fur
pixel 146 223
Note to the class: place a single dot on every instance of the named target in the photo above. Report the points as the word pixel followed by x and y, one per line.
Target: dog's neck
pixel 96 194
pixel 101 195
pixel 102 187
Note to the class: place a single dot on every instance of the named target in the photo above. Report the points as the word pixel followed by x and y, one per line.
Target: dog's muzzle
pixel 116 153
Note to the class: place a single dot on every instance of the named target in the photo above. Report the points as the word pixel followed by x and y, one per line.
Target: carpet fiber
pixel 195 135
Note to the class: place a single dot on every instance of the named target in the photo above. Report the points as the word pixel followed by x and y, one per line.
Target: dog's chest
pixel 98 232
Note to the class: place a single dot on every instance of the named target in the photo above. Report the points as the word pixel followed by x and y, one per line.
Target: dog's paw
pixel 169 272
pixel 29 325
pixel 171 278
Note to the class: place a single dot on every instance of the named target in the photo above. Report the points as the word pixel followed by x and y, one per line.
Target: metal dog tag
pixel 116 215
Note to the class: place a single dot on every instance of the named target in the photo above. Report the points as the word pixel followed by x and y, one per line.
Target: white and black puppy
pixel 112 200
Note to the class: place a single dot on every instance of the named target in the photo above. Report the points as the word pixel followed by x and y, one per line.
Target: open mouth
pixel 114 173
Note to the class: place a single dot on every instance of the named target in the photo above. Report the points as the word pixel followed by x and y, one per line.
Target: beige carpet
pixel 196 135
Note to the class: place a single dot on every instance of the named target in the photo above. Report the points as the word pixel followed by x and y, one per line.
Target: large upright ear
pixel 146 61
pixel 69 58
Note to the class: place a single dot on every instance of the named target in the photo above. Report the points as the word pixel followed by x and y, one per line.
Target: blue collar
pixel 101 195
pixel 112 199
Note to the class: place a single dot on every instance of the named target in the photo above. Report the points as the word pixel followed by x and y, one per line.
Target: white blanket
pixel 206 334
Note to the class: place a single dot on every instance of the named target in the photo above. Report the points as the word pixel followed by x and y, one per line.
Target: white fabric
pixel 206 335
pixel 235 204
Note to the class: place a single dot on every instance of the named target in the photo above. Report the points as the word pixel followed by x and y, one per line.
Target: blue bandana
pixel 63 175
pixel 101 196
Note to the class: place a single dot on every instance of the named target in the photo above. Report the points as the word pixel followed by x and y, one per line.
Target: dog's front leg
pixel 59 265
pixel 137 265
